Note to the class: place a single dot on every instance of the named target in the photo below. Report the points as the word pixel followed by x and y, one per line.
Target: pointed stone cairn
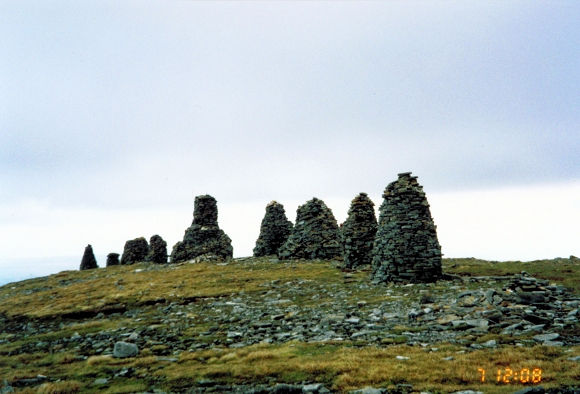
pixel 274 230
pixel 88 261
pixel 203 237
pixel 406 248
pixel 315 235
pixel 358 232
pixel 157 250
pixel 135 251
pixel 112 259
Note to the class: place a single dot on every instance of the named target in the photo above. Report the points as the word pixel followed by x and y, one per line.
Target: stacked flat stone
pixel 203 237
pixel 358 232
pixel 112 259
pixel 315 234
pixel 274 230
pixel 157 250
pixel 406 248
pixel 135 251
pixel 88 261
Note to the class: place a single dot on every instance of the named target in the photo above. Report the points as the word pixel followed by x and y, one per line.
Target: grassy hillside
pixel 260 321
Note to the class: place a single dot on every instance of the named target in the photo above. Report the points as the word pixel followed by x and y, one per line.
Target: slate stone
pixel 157 250
pixel 135 251
pixel 406 248
pixel 88 261
pixel 125 349
pixel 358 232
pixel 274 230
pixel 203 237
pixel 112 259
pixel 315 234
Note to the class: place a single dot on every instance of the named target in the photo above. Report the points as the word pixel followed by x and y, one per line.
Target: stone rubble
pixel 157 250
pixel 274 230
pixel 358 232
pixel 135 251
pixel 315 234
pixel 112 259
pixel 88 261
pixel 203 237
pixel 406 248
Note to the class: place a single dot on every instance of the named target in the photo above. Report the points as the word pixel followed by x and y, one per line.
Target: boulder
pixel 358 232
pixel 88 261
pixel 125 349
pixel 135 251
pixel 406 248
pixel 315 234
pixel 203 237
pixel 274 230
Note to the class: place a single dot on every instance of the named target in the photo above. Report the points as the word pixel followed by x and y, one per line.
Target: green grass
pixel 341 366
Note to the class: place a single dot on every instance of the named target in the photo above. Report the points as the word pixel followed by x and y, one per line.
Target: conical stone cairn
pixel 315 234
pixel 274 230
pixel 88 261
pixel 203 237
pixel 358 232
pixel 406 248
pixel 157 250
pixel 135 251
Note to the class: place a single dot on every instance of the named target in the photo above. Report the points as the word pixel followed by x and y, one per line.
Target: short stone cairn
pixel 135 251
pixel 112 259
pixel 203 237
pixel 358 232
pixel 406 248
pixel 274 230
pixel 88 261
pixel 157 250
pixel 315 234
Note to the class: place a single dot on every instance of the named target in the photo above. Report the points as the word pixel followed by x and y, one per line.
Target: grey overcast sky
pixel 115 114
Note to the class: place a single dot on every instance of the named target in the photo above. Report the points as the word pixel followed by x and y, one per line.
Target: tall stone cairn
pixel 203 237
pixel 135 251
pixel 358 232
pixel 315 234
pixel 406 248
pixel 157 250
pixel 112 259
pixel 88 261
pixel 274 230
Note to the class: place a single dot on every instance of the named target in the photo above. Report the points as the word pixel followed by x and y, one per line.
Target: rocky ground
pixel 469 312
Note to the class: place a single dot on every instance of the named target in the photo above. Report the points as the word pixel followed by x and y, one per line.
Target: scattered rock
pixel 274 230
pixel 112 259
pixel 135 251
pixel 406 246
pixel 358 232
pixel 157 250
pixel 88 261
pixel 203 237
pixel 315 234
pixel 125 349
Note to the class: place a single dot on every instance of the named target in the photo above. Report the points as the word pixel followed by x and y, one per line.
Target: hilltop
pixel 264 325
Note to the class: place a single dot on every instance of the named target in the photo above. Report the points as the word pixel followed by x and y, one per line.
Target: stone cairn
pixel 112 259
pixel 358 232
pixel 315 235
pixel 157 250
pixel 203 237
pixel 88 261
pixel 274 230
pixel 406 248
pixel 135 251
